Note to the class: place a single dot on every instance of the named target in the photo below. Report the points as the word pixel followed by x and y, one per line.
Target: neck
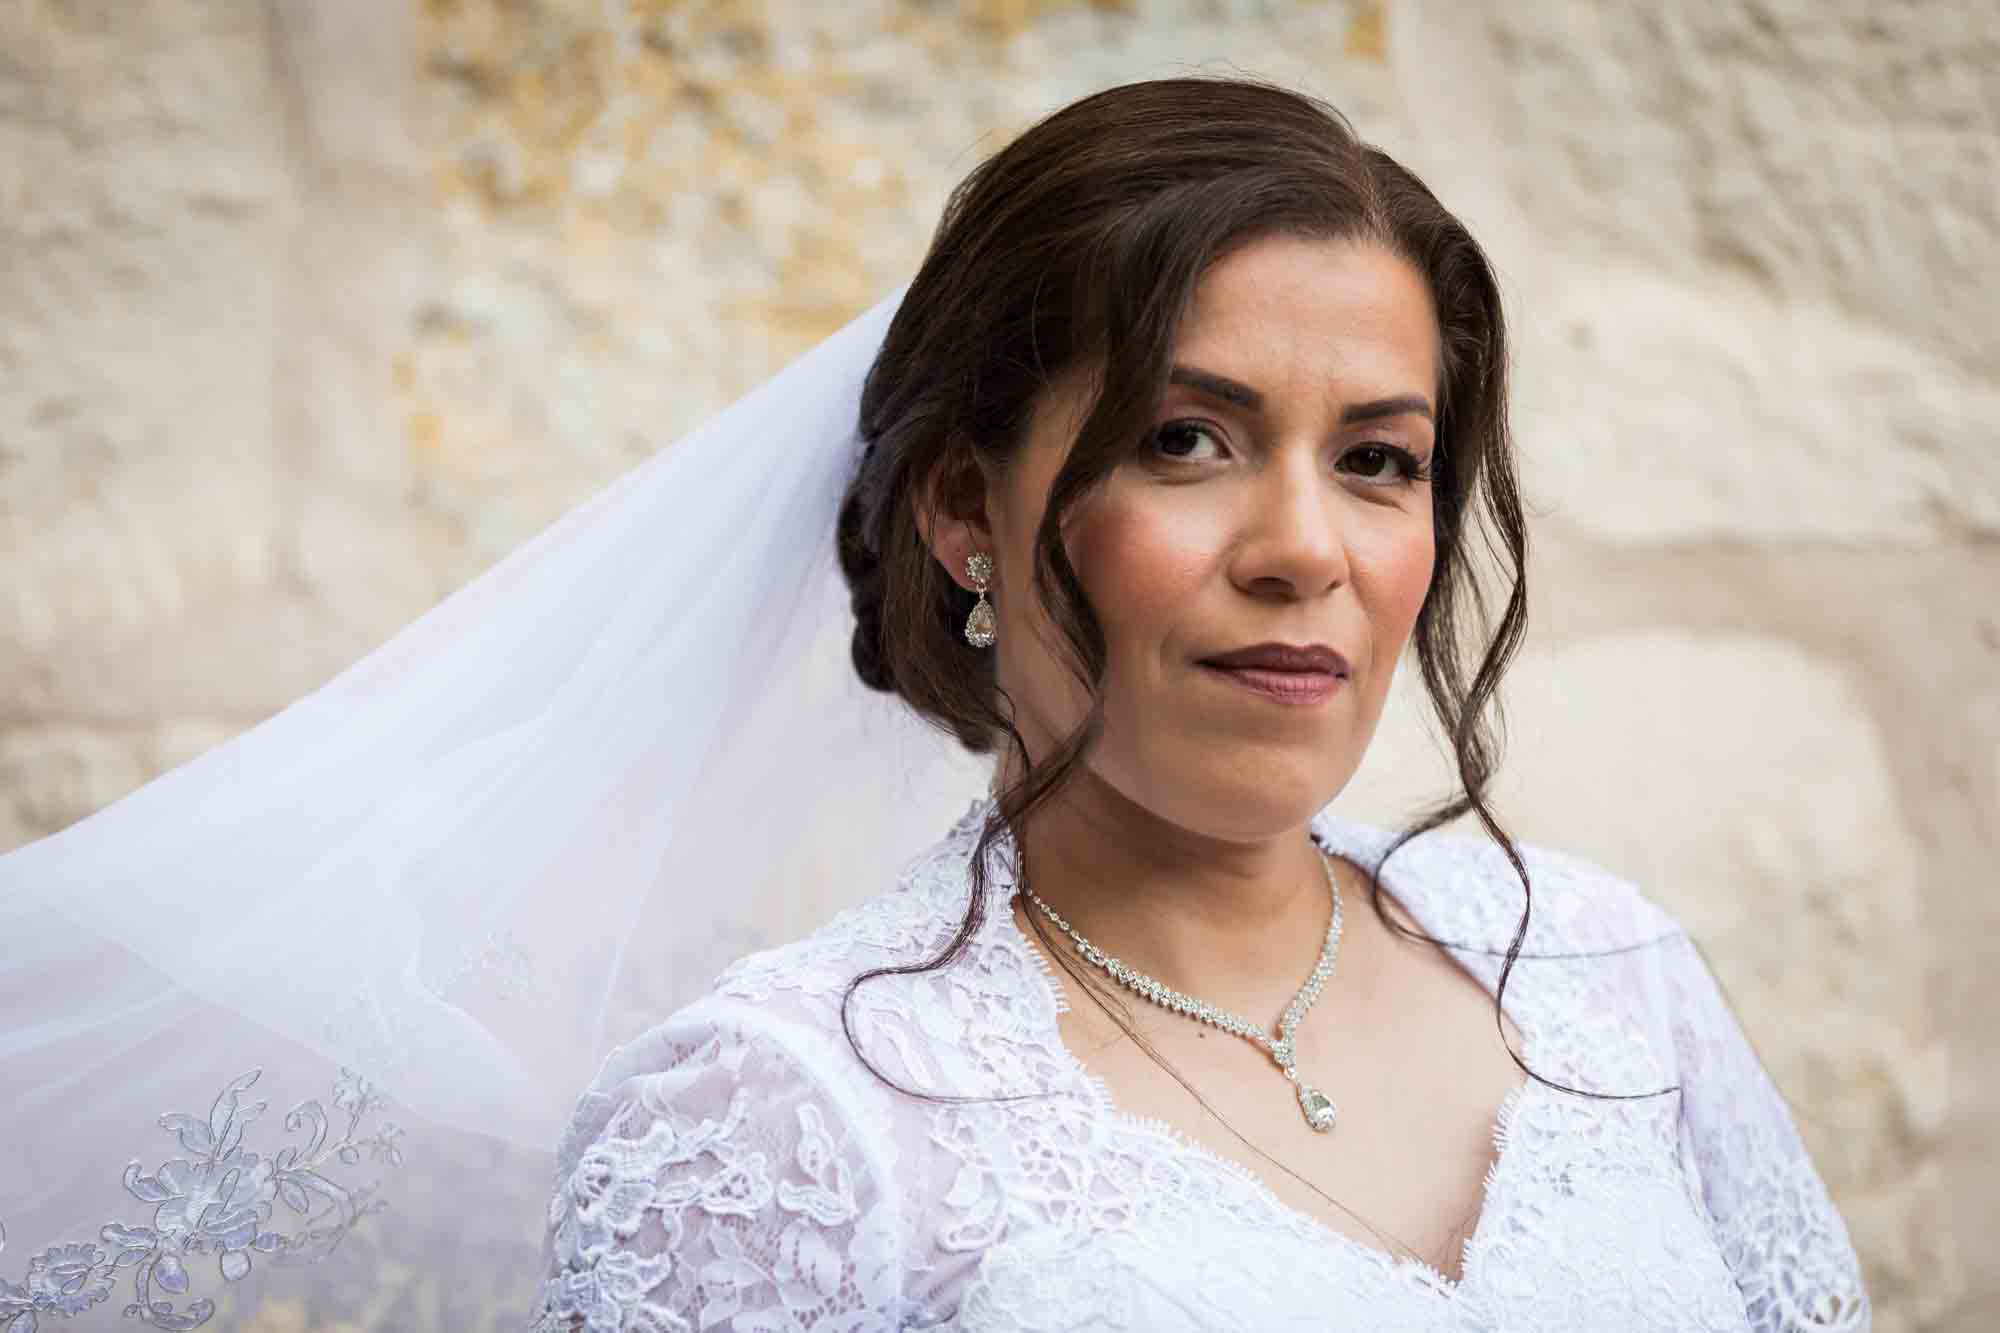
pixel 1235 922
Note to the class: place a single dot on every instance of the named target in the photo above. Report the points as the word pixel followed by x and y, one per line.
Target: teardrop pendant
pixel 980 625
pixel 1317 1106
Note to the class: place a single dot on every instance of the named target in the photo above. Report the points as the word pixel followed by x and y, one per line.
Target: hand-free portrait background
pixel 310 311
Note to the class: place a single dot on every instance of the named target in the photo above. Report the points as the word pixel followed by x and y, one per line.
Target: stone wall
pixel 310 311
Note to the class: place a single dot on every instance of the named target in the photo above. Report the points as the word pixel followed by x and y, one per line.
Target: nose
pixel 1294 546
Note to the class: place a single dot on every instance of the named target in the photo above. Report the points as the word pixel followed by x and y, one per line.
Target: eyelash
pixel 1412 469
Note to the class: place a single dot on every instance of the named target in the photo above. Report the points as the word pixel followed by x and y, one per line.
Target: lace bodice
pixel 737 1167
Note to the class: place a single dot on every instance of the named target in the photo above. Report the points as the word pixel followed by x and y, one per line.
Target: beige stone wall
pixel 309 311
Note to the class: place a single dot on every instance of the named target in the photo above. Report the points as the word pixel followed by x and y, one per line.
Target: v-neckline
pixel 1345 838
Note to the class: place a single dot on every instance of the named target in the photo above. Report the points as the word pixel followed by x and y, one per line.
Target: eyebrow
pixel 1234 391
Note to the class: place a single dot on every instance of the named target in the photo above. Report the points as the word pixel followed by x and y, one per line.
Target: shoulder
pixel 912 990
pixel 903 925
pixel 891 939
pixel 747 1120
pixel 1463 882
pixel 907 922
pixel 771 1022
pixel 777 1019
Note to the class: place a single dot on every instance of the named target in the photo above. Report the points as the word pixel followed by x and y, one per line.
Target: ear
pixel 950 505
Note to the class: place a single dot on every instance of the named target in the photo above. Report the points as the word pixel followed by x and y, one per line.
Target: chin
pixel 1242 797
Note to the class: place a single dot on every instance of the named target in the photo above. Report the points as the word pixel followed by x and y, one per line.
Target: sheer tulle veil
pixel 328 992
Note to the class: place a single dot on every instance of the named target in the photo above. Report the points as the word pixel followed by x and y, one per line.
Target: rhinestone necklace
pixel 1317 1106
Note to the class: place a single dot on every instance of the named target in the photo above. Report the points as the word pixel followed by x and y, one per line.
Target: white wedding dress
pixel 737 1167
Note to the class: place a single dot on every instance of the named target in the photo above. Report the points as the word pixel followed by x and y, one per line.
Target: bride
pixel 1118 522
pixel 1174 443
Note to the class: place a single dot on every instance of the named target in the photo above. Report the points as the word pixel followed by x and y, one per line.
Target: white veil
pixel 332 988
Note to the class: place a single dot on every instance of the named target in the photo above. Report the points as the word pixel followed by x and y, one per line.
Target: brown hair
pixel 1082 242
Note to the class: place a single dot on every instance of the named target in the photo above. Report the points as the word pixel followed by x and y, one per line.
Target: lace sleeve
pixel 710 1180
pixel 1777 1226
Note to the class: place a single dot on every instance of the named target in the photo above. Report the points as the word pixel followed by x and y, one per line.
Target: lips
pixel 1311 659
pixel 1288 673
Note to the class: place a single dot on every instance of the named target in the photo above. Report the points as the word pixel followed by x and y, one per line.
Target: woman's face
pixel 1281 498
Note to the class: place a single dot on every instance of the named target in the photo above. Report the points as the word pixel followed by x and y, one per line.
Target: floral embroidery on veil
pixel 218 1199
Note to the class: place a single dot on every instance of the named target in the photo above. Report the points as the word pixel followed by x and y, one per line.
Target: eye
pixel 1387 464
pixel 1182 440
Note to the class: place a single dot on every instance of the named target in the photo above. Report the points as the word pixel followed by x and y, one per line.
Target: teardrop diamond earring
pixel 979 626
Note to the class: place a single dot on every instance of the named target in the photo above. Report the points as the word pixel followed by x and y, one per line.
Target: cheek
pixel 1392 574
pixel 1141 565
